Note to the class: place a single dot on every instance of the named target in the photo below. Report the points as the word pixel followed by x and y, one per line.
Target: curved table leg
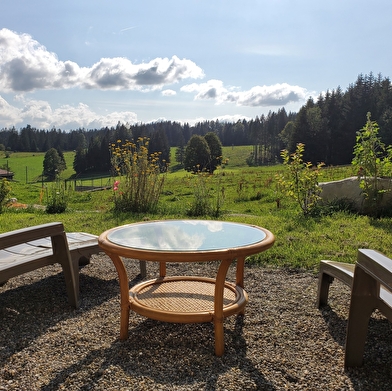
pixel 240 275
pixel 124 294
pixel 240 272
pixel 218 306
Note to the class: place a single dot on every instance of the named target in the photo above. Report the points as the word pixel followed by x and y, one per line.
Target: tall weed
pixel 140 178
pixel 208 196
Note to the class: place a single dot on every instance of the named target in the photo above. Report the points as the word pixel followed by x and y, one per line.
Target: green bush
pixel 372 160
pixel 207 201
pixel 57 198
pixel 337 205
pixel 300 180
pixel 4 191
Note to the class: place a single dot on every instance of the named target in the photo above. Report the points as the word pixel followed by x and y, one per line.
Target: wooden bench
pixel 27 249
pixel 370 280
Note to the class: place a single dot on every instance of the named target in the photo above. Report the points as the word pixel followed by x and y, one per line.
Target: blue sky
pixel 92 63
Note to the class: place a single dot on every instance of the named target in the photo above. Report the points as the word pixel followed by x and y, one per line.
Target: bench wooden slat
pixel 78 237
pixel 28 249
pixel 24 264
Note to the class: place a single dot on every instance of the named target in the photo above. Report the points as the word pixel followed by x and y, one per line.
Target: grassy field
pixel 249 195
pixel 28 167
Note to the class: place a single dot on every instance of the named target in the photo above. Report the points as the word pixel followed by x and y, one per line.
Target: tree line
pixel 327 127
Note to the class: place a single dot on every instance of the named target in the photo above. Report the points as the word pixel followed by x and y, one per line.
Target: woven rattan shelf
pixel 184 299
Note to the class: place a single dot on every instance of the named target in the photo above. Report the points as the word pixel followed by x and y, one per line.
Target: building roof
pixel 6 174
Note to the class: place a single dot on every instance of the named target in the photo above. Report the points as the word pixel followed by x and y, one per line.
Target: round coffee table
pixel 185 299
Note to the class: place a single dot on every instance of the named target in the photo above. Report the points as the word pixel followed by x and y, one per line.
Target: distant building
pixel 6 174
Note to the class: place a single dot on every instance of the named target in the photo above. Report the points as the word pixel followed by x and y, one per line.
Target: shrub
pixel 206 201
pixel 140 182
pixel 301 180
pixel 372 160
pixel 330 207
pixel 57 198
pixel 4 191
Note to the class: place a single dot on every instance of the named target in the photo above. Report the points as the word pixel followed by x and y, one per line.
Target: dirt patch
pixel 18 205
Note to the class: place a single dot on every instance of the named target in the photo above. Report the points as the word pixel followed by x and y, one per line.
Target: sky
pixel 93 63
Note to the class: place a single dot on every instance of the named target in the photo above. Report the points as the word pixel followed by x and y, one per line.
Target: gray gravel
pixel 282 343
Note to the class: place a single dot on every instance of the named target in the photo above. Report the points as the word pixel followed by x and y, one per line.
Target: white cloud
pixel 169 93
pixel 111 119
pixel 9 115
pixel 274 95
pixel 212 89
pixel 26 65
pixel 122 74
pixel 232 118
pixel 42 116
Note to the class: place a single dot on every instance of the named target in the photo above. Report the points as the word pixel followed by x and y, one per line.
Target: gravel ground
pixel 282 343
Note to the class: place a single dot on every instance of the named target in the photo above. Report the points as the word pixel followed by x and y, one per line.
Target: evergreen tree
pixel 63 164
pixel 215 148
pixel 52 164
pixel 197 154
pixel 180 150
pixel 80 161
pixel 158 143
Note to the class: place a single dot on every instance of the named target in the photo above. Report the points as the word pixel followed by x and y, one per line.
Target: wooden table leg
pixel 218 306
pixel 124 294
pixel 162 269
pixel 240 272
pixel 240 275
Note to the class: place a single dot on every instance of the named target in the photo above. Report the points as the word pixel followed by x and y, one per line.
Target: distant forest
pixel 327 127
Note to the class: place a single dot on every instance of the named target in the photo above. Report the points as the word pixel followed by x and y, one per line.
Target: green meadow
pixel 245 194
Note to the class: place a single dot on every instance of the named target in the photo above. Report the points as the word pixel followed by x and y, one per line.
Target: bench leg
pixel 362 305
pixel 325 280
pixel 71 275
pixel 70 268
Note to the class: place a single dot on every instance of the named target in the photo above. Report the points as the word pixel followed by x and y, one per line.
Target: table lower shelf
pixel 184 299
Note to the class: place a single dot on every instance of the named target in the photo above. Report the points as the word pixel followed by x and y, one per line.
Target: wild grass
pixel 251 195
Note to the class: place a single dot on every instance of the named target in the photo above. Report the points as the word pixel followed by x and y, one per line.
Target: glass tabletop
pixel 186 235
